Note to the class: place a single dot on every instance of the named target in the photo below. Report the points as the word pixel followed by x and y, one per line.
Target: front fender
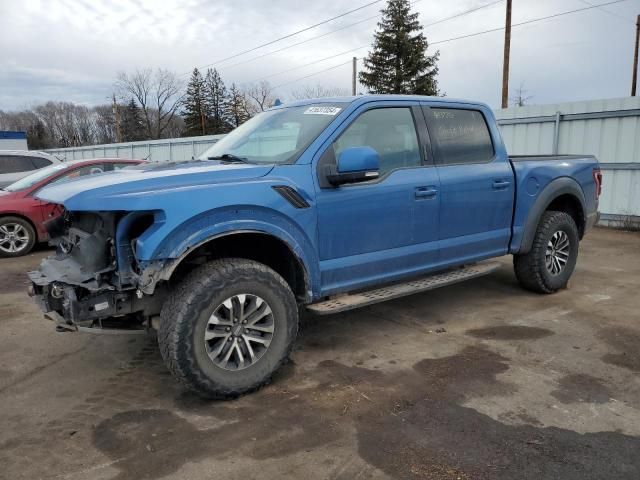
pixel 215 223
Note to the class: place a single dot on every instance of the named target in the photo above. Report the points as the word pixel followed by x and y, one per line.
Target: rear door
pixel 476 183
pixel 367 231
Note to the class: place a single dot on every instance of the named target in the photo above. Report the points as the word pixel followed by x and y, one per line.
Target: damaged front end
pixel 94 282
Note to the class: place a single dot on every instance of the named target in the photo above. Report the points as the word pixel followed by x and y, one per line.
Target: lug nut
pixel 244 322
pixel 228 329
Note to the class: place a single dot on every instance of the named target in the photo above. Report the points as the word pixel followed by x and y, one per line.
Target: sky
pixel 72 50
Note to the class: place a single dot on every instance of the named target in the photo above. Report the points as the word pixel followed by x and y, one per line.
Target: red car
pixel 22 216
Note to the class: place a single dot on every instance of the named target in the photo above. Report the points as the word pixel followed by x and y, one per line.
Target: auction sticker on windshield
pixel 322 110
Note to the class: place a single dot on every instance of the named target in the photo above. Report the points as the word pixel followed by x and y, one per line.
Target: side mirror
pixel 355 164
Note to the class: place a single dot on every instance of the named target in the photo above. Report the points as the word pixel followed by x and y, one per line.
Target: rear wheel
pixel 228 327
pixel 17 237
pixel 549 264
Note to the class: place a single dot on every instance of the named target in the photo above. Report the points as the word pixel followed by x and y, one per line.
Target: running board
pixel 369 297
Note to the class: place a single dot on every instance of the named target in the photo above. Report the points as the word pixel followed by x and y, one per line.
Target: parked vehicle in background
pixel 22 216
pixel 15 164
pixel 330 204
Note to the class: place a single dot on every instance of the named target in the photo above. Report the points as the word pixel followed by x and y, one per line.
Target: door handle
pixel 426 192
pixel 500 184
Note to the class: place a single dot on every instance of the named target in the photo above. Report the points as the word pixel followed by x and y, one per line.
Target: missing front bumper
pixel 107 311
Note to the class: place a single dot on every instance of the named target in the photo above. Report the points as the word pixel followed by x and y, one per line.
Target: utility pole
pixel 505 61
pixel 116 116
pixel 635 59
pixel 353 76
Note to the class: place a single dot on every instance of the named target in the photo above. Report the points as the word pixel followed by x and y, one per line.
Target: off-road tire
pixel 32 237
pixel 184 318
pixel 531 269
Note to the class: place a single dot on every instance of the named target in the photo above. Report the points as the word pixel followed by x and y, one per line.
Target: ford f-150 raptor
pixel 327 204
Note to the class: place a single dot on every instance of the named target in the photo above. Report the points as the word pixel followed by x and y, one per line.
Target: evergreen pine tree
pixel 194 112
pixel 37 136
pixel 398 62
pixel 131 125
pixel 237 107
pixel 216 103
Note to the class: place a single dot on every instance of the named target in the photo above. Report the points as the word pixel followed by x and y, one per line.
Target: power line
pixel 607 11
pixel 353 49
pixel 527 22
pixel 313 74
pixel 351 25
pixel 306 41
pixel 310 63
pixel 464 13
pixel 469 35
pixel 292 34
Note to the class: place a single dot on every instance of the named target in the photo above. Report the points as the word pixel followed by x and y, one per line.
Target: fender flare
pixel 556 188
pixel 216 224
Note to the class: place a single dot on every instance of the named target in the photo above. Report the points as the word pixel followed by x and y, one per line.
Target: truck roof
pixel 359 99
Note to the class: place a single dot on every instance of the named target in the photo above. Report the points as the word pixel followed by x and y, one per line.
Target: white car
pixel 15 164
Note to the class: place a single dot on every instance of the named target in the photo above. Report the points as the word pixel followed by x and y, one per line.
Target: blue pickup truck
pixel 326 204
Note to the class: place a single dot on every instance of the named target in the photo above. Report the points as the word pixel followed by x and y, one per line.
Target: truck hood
pixel 124 188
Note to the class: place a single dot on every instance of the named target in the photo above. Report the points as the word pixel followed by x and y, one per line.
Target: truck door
pixel 367 231
pixel 476 183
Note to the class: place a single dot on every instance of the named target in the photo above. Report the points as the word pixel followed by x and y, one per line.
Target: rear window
pixel 40 162
pixel 15 164
pixel 460 136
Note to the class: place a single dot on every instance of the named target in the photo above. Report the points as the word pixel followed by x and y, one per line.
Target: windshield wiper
pixel 229 157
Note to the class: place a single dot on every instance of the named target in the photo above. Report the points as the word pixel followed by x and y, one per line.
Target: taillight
pixel 597 177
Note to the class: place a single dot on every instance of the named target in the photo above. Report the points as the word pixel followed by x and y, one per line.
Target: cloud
pixel 72 49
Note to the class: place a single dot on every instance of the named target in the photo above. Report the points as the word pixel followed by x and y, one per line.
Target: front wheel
pixel 228 327
pixel 549 264
pixel 17 237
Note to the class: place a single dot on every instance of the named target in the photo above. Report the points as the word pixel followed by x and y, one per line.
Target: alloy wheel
pixel 557 253
pixel 13 238
pixel 239 332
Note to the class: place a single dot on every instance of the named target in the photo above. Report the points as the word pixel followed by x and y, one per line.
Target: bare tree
pixel 159 94
pixel 521 98
pixel 262 96
pixel 105 125
pixel 318 91
pixel 69 124
pixel 62 124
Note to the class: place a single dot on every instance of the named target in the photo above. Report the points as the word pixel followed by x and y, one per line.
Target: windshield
pixel 275 136
pixel 35 177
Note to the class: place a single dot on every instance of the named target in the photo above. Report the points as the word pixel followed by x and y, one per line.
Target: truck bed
pixel 545 176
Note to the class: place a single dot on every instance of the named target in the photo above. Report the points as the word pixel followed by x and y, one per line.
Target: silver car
pixel 15 164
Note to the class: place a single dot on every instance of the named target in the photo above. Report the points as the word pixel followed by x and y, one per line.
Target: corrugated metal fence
pixel 608 129
pixel 169 150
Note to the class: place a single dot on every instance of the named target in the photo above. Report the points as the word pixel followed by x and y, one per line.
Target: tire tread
pixel 528 268
pixel 191 295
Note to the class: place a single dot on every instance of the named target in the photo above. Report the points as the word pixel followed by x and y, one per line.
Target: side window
pixel 79 172
pixel 118 166
pixel 460 136
pixel 389 131
pixel 15 164
pixel 40 162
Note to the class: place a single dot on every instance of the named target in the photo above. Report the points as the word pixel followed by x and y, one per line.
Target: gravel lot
pixel 478 380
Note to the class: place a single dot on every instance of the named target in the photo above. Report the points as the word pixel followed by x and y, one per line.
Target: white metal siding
pixel 614 140
pixel 13 144
pixel 172 149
